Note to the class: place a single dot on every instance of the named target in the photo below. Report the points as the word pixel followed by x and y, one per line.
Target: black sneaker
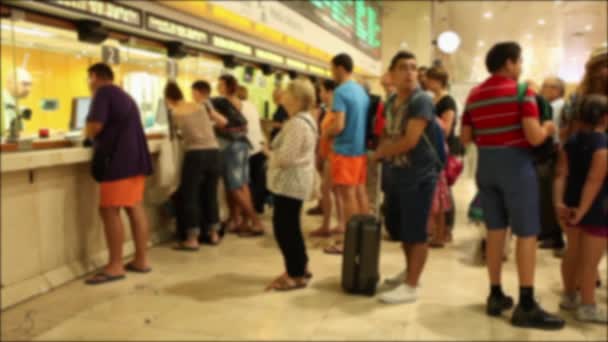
pixel 497 304
pixel 536 318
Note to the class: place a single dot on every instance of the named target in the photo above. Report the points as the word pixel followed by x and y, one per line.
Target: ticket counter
pixel 51 232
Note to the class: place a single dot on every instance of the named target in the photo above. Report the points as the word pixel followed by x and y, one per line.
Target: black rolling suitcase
pixel 360 263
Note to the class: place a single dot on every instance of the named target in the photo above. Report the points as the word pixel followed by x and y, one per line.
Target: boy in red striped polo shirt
pixel 505 129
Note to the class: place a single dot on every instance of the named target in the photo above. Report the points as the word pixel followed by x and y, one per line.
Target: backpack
pixel 546 150
pixel 437 143
pixel 373 112
pixel 236 128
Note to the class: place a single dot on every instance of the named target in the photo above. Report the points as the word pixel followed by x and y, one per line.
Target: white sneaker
pixel 396 279
pixel 401 294
pixel 570 302
pixel 591 314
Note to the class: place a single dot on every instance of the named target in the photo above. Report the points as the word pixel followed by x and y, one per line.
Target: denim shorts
pixel 509 190
pixel 236 164
pixel 408 206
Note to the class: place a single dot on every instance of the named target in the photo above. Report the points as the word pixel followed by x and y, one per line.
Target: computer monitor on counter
pixel 80 111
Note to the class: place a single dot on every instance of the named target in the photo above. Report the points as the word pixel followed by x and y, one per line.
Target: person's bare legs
pixel 341 228
pixel 326 205
pixel 593 249
pixel 416 255
pixel 526 260
pixel 570 261
pixel 349 202
pixel 495 242
pixel 140 231
pixel 362 199
pixel 438 229
pixel 114 233
pixel 243 200
pixel 232 221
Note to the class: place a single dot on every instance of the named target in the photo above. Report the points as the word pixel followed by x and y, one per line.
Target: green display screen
pixel 356 21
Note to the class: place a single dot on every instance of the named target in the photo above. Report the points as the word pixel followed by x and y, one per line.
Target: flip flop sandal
pixel 333 250
pixel 184 248
pixel 251 233
pixel 233 230
pixel 337 232
pixel 103 278
pixel 320 233
pixel 283 286
pixel 216 243
pixel 132 268
pixel 436 245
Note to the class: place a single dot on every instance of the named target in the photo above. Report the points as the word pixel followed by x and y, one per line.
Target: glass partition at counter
pixel 195 68
pixel 44 72
pixel 143 74
pixel 260 88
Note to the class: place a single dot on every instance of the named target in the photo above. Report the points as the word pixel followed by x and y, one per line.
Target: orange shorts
pixel 126 192
pixel 346 170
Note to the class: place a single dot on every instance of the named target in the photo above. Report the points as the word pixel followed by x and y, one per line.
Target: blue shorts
pixel 509 190
pixel 235 157
pixel 408 206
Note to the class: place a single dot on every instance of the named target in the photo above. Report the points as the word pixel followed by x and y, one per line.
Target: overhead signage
pixel 355 21
pixel 232 45
pixel 110 55
pixel 172 28
pixel 103 9
pixel 295 64
pixel 269 56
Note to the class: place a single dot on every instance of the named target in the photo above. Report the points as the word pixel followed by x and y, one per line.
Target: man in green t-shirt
pixel 18 86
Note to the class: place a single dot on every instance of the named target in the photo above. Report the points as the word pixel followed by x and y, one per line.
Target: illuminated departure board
pixel 356 21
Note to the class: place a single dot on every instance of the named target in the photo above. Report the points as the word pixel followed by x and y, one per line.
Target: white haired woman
pixel 290 178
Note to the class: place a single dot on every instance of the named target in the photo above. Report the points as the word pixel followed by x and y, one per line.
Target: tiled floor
pixel 217 294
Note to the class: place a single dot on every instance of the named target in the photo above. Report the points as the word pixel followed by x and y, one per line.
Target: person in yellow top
pixel 325 149
pixel 18 86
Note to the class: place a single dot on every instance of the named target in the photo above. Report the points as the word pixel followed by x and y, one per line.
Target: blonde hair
pixel 304 92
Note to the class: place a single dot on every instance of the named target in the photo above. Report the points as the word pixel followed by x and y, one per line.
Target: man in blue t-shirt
pixel 348 161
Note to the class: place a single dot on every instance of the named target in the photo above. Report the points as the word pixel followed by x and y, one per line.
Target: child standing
pixel 581 198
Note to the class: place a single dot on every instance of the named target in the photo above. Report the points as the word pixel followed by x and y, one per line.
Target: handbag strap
pixel 310 124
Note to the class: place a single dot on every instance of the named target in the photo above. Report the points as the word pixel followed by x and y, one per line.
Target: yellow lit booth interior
pixel 56 63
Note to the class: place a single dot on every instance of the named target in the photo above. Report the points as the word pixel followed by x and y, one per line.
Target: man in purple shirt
pixel 114 124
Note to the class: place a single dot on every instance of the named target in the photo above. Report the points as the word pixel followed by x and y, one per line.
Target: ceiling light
pixel 448 41
pixel 588 27
pixel 25 30
pixel 541 22
pixel 488 15
pixel 529 36
pixel 481 43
